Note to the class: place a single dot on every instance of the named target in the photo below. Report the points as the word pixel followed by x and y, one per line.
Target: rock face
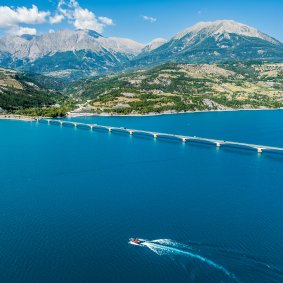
pixel 209 42
pixel 34 47
pixel 83 53
pixel 224 28
pixel 153 45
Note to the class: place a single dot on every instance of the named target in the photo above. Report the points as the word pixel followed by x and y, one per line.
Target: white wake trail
pixel 167 247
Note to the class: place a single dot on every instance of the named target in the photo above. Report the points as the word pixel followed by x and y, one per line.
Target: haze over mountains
pixel 83 53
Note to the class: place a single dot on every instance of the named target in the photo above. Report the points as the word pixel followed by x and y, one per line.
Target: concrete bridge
pixel 156 135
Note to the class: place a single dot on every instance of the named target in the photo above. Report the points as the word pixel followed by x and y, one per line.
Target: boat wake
pixel 201 262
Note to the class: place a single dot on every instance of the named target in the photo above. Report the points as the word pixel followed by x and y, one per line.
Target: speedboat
pixel 136 241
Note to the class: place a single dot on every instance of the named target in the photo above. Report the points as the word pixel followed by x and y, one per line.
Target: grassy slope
pixel 22 90
pixel 184 87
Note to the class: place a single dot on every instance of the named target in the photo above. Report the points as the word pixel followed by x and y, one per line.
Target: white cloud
pixel 67 8
pixel 149 19
pixel 17 20
pixel 106 21
pixel 85 19
pixel 51 31
pixel 10 17
pixel 17 30
pixel 82 18
pixel 56 19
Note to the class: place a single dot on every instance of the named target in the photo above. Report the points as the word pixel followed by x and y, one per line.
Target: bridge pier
pixel 92 126
pixel 218 144
pixel 259 149
pixel 155 136
pixel 110 130
pixel 75 124
pixel 184 140
pixel 131 133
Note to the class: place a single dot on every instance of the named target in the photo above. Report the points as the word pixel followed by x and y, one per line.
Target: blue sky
pixel 136 19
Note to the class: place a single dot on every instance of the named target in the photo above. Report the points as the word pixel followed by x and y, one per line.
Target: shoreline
pixel 75 115
pixel 17 117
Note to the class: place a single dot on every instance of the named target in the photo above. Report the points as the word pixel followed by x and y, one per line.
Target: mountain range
pixel 83 53
pixel 210 42
pixel 67 53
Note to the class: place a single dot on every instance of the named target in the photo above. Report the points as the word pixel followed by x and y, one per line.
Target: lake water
pixel 70 199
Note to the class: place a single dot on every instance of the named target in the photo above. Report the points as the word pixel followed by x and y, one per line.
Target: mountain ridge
pixel 84 53
pixel 211 42
pixel 227 26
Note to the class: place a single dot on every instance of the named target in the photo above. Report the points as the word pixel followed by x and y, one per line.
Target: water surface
pixel 71 199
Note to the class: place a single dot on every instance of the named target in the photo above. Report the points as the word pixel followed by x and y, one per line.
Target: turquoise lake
pixel 70 199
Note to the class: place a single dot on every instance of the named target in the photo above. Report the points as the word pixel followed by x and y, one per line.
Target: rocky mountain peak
pixel 224 28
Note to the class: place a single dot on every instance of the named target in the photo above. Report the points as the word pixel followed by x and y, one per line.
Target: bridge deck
pixel 218 143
